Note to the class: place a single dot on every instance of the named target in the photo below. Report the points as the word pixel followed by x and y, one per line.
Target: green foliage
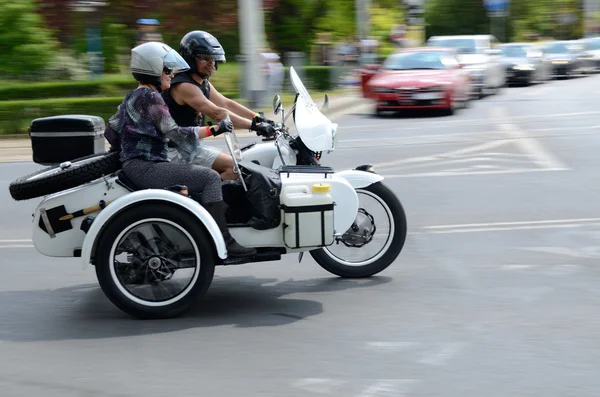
pixel 382 20
pixel 455 17
pixel 26 47
pixel 291 25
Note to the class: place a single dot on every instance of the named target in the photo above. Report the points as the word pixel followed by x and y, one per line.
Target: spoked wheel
pixel 373 242
pixel 154 261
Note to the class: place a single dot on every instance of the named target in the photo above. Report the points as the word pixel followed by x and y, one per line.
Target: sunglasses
pixel 206 58
pixel 167 71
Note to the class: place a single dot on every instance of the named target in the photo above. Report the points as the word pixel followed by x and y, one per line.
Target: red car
pixel 418 78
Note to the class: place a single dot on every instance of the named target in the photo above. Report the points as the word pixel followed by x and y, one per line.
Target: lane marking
pixel 388 387
pixel 395 346
pixel 442 356
pixel 513 223
pixel 318 385
pixel 448 173
pixel 545 159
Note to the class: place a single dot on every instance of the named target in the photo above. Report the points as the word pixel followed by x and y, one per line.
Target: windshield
pixel 514 51
pixel 557 48
pixel 592 44
pixel 419 60
pixel 464 46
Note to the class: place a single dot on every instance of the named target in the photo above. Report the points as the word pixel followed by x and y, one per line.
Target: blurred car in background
pixel 564 58
pixel 525 63
pixel 592 47
pixel 479 55
pixel 418 78
pixel 587 63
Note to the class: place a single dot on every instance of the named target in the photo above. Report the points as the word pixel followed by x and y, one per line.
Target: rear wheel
pixel 154 261
pixel 383 225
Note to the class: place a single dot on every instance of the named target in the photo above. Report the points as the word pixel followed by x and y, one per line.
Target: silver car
pixel 480 55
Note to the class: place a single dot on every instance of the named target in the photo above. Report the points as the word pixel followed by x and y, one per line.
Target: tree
pixel 456 17
pixel 26 46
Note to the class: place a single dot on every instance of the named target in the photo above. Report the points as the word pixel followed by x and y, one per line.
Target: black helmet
pixel 197 43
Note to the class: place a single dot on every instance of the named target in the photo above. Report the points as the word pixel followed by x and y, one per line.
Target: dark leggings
pixel 150 175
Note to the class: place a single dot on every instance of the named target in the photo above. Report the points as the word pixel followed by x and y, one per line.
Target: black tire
pixel 81 170
pixel 180 217
pixel 368 270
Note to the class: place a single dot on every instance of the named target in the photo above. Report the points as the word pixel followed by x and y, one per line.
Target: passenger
pixel 142 128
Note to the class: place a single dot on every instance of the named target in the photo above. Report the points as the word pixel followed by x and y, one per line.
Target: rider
pixel 192 96
pixel 142 126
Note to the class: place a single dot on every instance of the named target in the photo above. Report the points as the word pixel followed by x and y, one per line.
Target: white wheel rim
pixel 387 244
pixel 126 292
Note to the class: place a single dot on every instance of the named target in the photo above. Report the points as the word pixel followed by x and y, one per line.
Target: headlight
pixel 560 62
pixel 383 90
pixel 523 67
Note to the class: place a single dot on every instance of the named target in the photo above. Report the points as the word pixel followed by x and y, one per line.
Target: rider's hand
pixel 224 125
pixel 264 129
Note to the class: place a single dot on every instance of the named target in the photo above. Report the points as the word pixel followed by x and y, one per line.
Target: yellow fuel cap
pixel 321 188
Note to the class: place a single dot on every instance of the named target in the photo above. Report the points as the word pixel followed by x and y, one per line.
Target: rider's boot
pixel 217 210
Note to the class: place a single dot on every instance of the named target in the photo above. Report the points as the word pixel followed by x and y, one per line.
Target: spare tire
pixel 65 176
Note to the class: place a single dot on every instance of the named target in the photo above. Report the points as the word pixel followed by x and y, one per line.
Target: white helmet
pixel 148 61
pixel 150 58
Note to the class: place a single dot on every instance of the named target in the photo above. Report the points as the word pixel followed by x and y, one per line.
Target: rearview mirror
pixel 276 104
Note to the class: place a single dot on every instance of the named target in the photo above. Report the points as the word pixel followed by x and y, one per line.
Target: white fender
pixel 359 179
pixel 116 206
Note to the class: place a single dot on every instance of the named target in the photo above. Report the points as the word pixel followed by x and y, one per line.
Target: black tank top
pixel 185 115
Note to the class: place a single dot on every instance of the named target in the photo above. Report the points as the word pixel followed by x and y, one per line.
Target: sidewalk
pixel 19 148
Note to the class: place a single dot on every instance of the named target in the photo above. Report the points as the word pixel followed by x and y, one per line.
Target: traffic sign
pixel 496 5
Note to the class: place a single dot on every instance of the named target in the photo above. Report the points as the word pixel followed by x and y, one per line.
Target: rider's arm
pixel 233 107
pixel 193 96
pixel 185 138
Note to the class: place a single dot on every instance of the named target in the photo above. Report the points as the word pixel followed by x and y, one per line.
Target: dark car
pixel 563 57
pixel 524 63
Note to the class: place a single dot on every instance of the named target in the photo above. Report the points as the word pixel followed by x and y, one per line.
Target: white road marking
pixel 442 356
pixel 16 241
pixel 588 252
pixel 428 123
pixel 392 346
pixel 507 226
pixel 388 387
pixel 514 223
pixel 318 385
pixel 449 173
pixel 545 159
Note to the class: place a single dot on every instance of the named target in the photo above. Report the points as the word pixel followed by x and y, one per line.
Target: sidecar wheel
pixel 142 254
pixel 356 268
pixel 66 176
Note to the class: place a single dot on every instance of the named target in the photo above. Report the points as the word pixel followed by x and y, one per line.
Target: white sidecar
pixel 155 250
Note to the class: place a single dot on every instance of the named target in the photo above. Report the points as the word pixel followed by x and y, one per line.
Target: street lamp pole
pixel 251 19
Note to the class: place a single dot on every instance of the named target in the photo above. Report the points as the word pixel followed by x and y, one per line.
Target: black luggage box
pixel 63 138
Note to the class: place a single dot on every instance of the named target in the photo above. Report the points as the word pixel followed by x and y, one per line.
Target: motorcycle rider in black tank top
pixel 192 96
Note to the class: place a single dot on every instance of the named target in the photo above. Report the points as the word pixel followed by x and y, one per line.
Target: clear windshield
pixel 464 46
pixel 315 129
pixel 419 60
pixel 557 48
pixel 514 51
pixel 592 44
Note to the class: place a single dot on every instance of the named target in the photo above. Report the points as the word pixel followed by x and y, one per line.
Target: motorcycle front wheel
pixel 385 223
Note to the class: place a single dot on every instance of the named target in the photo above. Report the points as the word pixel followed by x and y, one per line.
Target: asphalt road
pixel 495 294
